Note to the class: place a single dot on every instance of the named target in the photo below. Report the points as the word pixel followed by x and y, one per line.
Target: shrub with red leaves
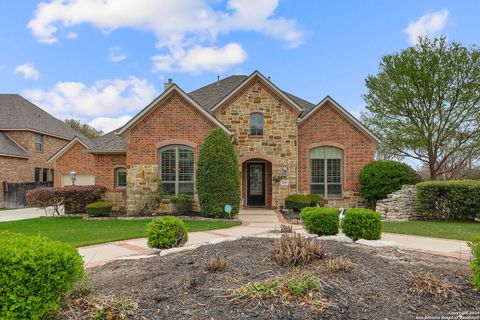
pixel 74 198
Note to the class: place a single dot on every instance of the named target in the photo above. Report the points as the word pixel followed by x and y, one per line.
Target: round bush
pixel 316 200
pixel 362 224
pixel 99 209
pixel 218 175
pixel 166 232
pixel 321 221
pixel 34 273
pixel 297 201
pixel 379 178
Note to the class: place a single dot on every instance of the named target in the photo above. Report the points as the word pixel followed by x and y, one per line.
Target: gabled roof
pixel 246 81
pixel 108 143
pixel 17 113
pixel 343 111
pixel 10 148
pixel 68 146
pixel 166 93
pixel 209 95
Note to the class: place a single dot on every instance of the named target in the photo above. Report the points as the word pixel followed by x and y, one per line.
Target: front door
pixel 256 184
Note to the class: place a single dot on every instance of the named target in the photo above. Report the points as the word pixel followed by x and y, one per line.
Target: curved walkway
pixel 260 223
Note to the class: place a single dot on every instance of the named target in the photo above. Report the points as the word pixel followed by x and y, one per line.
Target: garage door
pixel 82 180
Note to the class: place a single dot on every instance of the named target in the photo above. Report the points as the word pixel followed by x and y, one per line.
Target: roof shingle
pixel 10 148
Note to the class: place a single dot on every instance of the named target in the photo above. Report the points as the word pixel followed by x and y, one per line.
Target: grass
pixel 79 232
pixel 437 229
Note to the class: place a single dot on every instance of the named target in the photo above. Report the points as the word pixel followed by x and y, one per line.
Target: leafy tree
pixel 425 104
pixel 84 128
pixel 218 176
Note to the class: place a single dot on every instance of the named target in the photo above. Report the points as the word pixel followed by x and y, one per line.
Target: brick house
pixel 29 136
pixel 284 145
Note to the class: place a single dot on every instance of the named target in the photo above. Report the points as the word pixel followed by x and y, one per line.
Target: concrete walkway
pixel 21 214
pixel 260 223
pixel 255 223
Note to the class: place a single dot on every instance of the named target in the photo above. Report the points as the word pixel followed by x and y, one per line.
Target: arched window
pixel 120 178
pixel 256 124
pixel 176 167
pixel 326 172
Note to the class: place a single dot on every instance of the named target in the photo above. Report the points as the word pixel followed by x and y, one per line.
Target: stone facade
pixel 327 127
pixel 399 205
pixel 350 199
pixel 23 170
pixel 277 146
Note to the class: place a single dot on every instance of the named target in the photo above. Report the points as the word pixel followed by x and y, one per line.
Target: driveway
pixel 21 214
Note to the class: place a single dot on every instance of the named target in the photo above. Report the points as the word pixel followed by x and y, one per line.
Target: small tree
pixel 84 128
pixel 218 176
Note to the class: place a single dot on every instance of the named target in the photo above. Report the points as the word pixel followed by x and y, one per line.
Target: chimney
pixel 168 84
pixel 218 80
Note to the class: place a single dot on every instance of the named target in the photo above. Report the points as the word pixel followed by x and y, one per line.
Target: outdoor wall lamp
pixel 73 177
pixel 285 170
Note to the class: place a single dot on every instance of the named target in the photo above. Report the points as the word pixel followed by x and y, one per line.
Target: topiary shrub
pixel 166 232
pixel 218 176
pixel 362 224
pixel 99 209
pixel 381 177
pixel 321 221
pixel 449 200
pixel 316 200
pixel 297 202
pixel 34 273
pixel 181 203
pixel 475 264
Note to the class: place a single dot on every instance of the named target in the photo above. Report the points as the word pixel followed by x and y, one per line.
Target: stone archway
pixel 256 188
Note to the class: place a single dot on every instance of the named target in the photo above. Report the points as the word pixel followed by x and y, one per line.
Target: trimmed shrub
pixel 99 209
pixel 297 202
pixel 475 264
pixel 382 177
pixel 74 198
pixel 449 200
pixel 218 175
pixel 166 232
pixel 34 273
pixel 321 221
pixel 316 200
pixel 181 203
pixel 362 224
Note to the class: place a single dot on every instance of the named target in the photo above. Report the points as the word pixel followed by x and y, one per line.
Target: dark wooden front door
pixel 255 184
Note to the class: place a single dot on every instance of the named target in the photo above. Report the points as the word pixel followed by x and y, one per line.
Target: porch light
pixel 73 177
pixel 285 170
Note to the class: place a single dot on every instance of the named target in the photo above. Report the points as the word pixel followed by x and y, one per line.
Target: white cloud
pixel 116 55
pixel 108 124
pixel 201 59
pixel 427 25
pixel 28 71
pixel 71 35
pixel 105 98
pixel 180 27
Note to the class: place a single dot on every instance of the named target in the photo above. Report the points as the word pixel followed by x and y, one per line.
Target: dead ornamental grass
pixel 337 265
pixel 99 307
pixel 427 284
pixel 295 250
pixel 215 264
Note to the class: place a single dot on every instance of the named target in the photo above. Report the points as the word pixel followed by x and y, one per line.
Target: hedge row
pixel 74 198
pixel 449 200
pixel 299 201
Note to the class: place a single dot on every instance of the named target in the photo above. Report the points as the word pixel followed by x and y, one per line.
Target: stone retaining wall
pixel 399 205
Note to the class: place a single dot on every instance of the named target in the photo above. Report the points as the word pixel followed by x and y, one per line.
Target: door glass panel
pixel 256 180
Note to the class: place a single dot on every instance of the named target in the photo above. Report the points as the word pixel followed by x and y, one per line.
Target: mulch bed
pixel 377 287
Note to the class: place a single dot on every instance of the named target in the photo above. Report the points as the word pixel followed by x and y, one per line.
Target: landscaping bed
pixel 366 283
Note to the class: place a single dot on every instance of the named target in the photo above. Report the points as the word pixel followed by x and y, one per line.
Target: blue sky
pixel 102 61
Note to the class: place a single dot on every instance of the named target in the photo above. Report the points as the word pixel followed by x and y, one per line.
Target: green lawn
pixel 81 232
pixel 448 230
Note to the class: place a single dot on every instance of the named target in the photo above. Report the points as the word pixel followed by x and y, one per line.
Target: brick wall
pixel 327 127
pixel 23 170
pixel 104 168
pixel 278 145
pixel 75 158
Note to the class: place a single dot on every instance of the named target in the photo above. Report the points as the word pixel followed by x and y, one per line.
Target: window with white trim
pixel 326 172
pixel 256 124
pixel 176 167
pixel 120 178
pixel 38 142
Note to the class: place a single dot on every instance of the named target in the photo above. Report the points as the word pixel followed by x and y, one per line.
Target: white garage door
pixel 82 180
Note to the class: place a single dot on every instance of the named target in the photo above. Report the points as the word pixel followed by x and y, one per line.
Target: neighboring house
pixel 284 145
pixel 29 136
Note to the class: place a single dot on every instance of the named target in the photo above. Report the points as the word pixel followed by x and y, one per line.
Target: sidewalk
pixel 20 214
pixel 260 222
